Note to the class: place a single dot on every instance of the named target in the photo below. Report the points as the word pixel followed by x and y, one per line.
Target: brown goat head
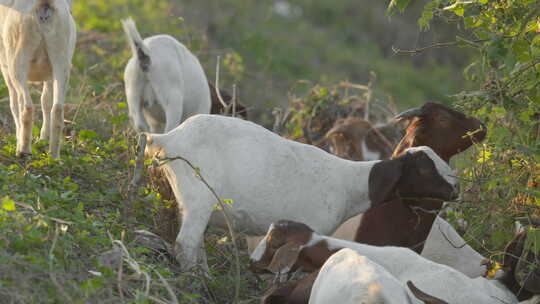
pixel 441 128
pixel 279 249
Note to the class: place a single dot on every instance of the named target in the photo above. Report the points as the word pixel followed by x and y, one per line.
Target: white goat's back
pixel 165 82
pixel 445 246
pixel 268 177
pixel 350 278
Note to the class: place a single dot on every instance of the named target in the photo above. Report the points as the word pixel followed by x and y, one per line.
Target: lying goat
pixel 269 177
pixel 165 83
pixel 37 41
pixel 350 278
pixel 291 245
pixel 356 139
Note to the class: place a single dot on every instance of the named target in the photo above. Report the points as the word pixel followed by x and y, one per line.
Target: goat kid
pixel 267 177
pixel 350 278
pixel 291 245
pixel 37 41
pixel 165 83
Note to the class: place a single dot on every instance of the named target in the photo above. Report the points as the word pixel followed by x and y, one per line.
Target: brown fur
pixel 394 223
pixel 348 134
pixel 512 255
pixel 217 107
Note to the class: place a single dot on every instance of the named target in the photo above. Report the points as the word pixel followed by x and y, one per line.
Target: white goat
pixel 37 41
pixel 165 83
pixel 445 246
pixel 288 245
pixel 350 278
pixel 269 178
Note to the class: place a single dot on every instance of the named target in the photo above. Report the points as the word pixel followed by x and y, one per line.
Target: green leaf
pixel 87 135
pixel 520 48
pixel 401 5
pixel 8 204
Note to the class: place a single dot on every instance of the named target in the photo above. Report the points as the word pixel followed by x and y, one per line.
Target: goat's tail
pixel 44 10
pixel 138 47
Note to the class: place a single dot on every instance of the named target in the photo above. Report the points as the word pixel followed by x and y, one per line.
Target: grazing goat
pixel 165 83
pixel 354 138
pixel 350 278
pixel 291 245
pixel 37 41
pixel 217 106
pixel 269 177
pixel 395 223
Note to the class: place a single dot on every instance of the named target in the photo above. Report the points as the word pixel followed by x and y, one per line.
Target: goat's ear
pixel 383 179
pixel 278 294
pixel 422 296
pixel 284 258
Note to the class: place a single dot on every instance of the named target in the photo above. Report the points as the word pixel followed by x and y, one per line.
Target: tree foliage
pixel 503 181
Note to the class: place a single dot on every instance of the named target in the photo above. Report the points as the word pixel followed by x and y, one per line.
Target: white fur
pixel 440 164
pixel 350 278
pixel 445 246
pixel 268 177
pixel 37 51
pixel 435 279
pixel 368 154
pixel 174 87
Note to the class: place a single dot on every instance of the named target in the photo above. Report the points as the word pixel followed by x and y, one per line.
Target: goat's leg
pixel 190 239
pixel 19 77
pixel 173 105
pixel 60 62
pixel 197 202
pixel 46 106
pixel 13 104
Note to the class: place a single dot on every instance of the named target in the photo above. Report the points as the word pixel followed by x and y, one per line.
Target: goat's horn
pixel 409 114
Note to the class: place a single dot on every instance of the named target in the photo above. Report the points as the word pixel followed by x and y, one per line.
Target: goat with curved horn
pixel 409 114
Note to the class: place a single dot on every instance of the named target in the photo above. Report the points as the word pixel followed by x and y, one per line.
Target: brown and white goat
pixel 247 163
pixel 354 138
pixel 290 245
pixel 37 41
pixel 397 224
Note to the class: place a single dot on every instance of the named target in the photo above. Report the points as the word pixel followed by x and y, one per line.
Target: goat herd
pixel 294 192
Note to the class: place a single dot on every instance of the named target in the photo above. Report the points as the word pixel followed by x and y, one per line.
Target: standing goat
pixel 165 83
pixel 269 177
pixel 37 41
pixel 395 223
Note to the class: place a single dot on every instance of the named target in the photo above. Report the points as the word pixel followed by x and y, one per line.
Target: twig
pixel 135 181
pixel 450 242
pixel 225 215
pixel 51 262
pixel 174 299
pixel 369 93
pixel 436 46
pixel 226 107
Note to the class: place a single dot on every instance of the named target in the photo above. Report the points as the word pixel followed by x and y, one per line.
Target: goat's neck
pixel 357 179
